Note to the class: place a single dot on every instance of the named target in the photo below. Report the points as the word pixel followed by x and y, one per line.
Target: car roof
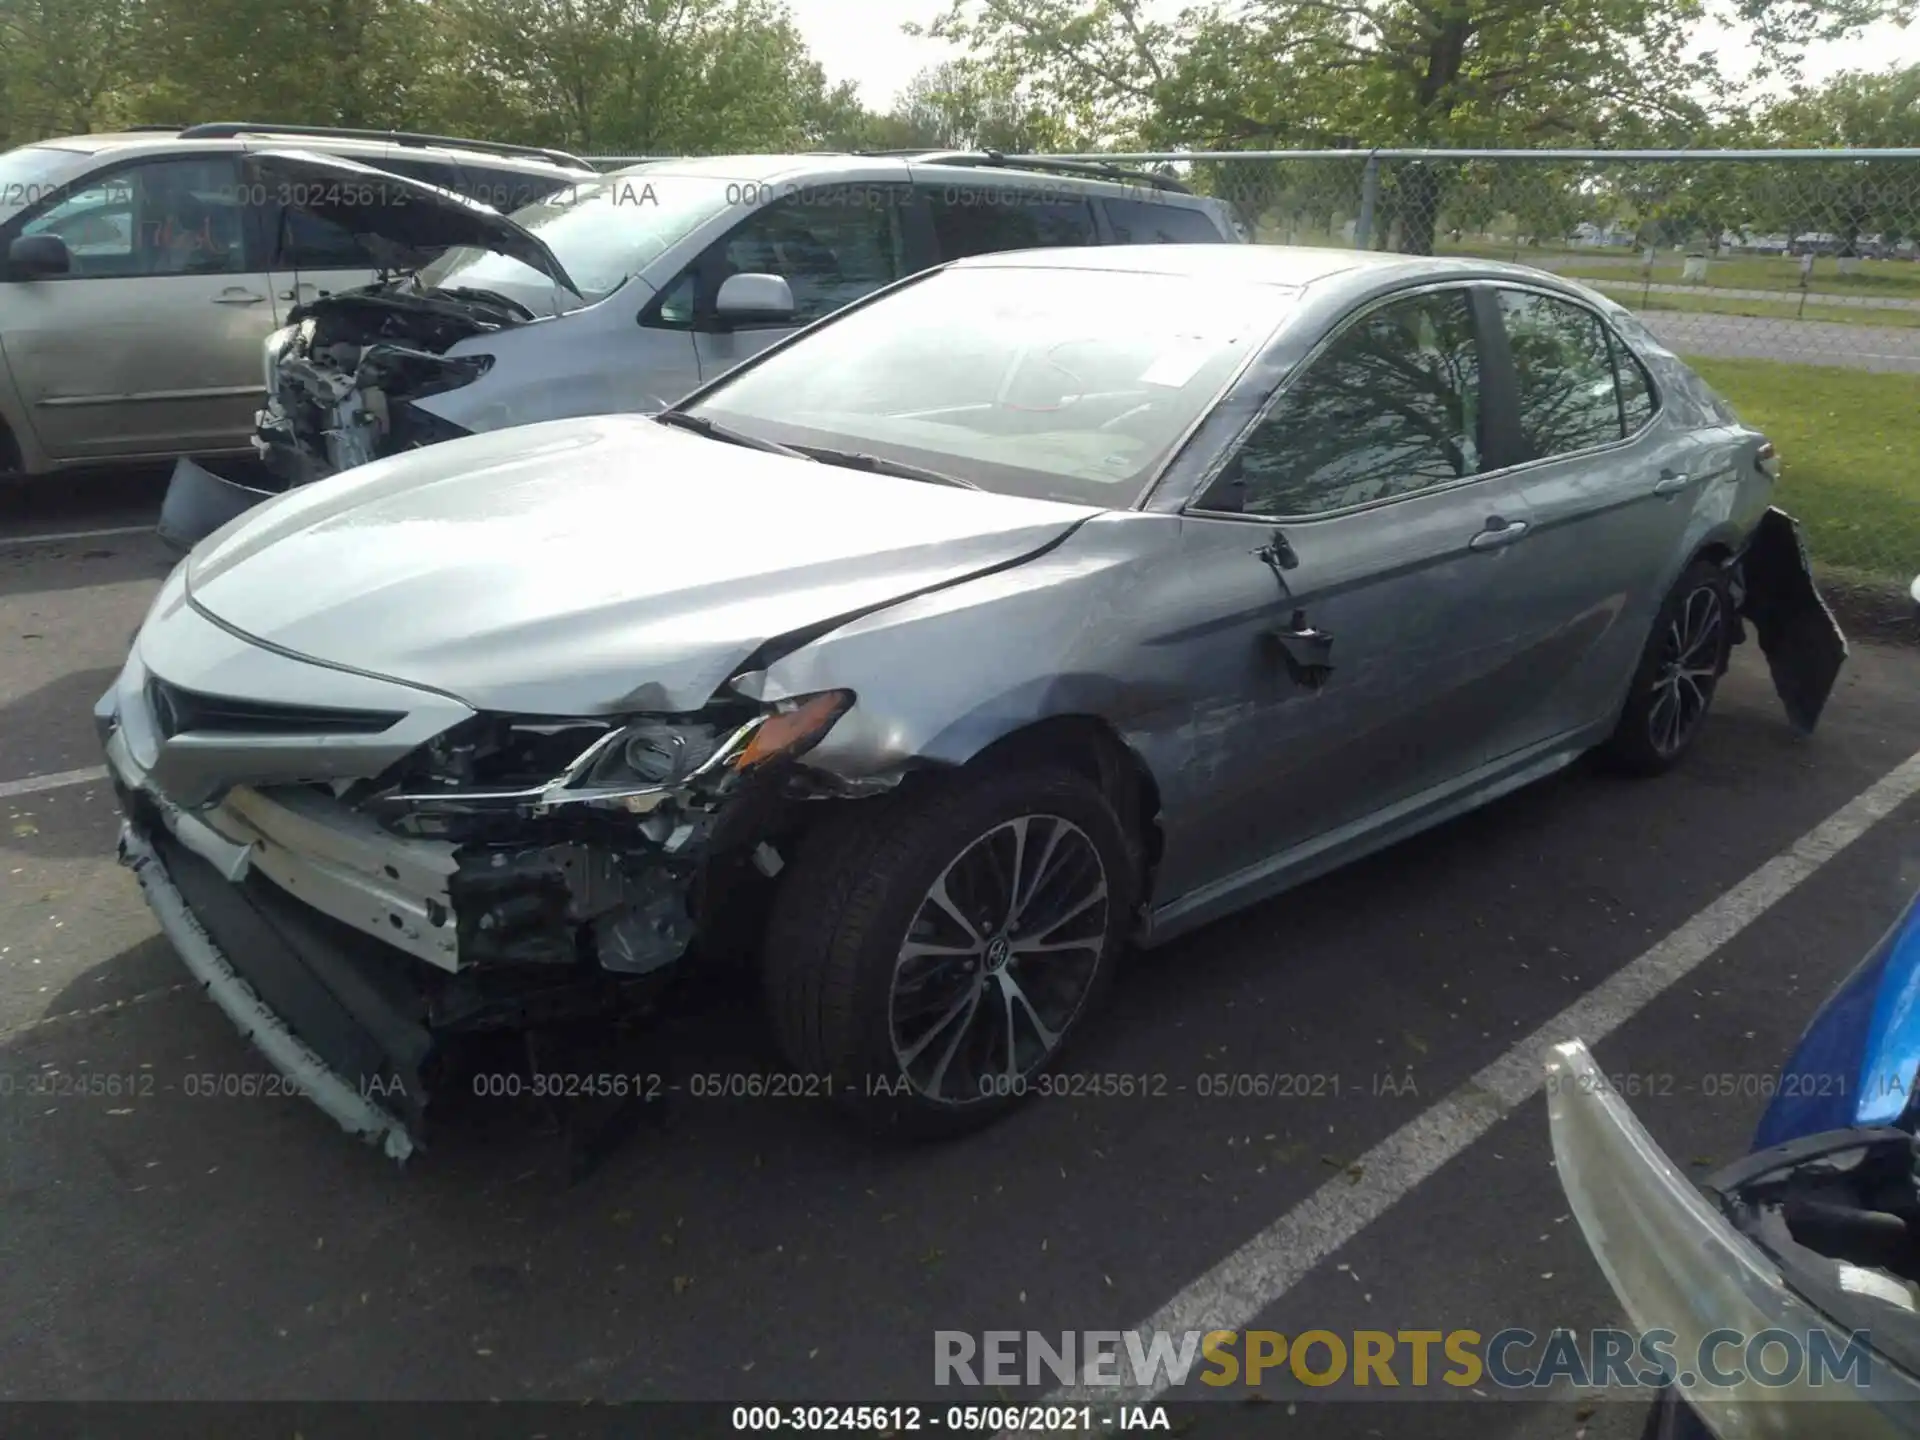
pixel 1293 266
pixel 826 166
pixel 169 140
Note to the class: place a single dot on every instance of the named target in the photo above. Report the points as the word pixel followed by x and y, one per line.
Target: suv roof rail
pixel 1091 169
pixel 227 129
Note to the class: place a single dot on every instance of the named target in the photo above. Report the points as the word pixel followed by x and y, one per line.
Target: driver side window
pixel 831 246
pixel 164 217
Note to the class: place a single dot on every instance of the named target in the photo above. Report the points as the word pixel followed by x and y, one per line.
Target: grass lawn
pixel 1849 444
pixel 1893 279
pixel 1705 302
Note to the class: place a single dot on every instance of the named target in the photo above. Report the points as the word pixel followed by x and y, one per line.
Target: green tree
pixel 1288 73
pixel 1848 199
pixel 65 64
pixel 632 76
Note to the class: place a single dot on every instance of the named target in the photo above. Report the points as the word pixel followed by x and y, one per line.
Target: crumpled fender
pixel 1803 643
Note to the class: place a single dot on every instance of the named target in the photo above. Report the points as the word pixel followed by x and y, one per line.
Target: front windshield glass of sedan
pixel 601 232
pixel 1060 383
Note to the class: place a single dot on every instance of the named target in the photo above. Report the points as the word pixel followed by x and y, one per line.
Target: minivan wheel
pixel 927 966
pixel 1679 670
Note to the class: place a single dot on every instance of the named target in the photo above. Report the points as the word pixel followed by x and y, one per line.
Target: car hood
pixel 405 223
pixel 592 566
pixel 1858 1063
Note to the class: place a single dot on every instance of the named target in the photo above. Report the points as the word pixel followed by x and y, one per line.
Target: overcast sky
pixel 860 40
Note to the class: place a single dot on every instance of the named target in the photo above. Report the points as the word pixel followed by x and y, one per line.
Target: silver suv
pixel 141 272
pixel 627 293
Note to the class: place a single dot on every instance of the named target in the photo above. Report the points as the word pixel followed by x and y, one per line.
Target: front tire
pixel 932 953
pixel 1679 671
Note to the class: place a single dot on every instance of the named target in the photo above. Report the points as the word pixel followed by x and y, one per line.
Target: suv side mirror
pixel 34 257
pixel 753 298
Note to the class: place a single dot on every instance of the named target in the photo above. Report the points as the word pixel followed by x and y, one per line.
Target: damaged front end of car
pixel 586 842
pixel 343 379
pixel 509 876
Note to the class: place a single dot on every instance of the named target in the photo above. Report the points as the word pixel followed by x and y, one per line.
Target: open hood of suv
pixel 405 223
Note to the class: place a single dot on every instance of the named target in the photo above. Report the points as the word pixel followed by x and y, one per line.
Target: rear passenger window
pixel 1636 390
pixel 1564 366
pixel 984 219
pixel 1142 222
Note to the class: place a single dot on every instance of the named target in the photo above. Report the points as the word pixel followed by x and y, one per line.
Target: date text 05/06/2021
pixel 883 1420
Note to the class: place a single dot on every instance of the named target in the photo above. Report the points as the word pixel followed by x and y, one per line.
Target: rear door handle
pixel 235 295
pixel 1671 482
pixel 1500 531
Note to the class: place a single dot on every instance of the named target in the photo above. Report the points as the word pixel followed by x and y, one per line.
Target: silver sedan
pixel 1036 606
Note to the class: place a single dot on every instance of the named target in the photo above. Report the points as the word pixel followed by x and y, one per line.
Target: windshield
pixel 1059 383
pixel 32 174
pixel 601 232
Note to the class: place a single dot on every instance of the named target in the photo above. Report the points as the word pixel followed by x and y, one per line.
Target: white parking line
pixel 1235 1291
pixel 33 784
pixel 65 535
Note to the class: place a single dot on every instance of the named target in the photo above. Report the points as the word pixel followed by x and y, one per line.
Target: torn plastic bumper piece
pixel 199 502
pixel 300 997
pixel 1798 634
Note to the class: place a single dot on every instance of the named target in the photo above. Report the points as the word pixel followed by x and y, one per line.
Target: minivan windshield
pixel 1050 381
pixel 602 232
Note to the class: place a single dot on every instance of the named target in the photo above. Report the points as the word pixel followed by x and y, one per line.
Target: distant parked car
pixel 1036 604
pixel 625 295
pixel 141 272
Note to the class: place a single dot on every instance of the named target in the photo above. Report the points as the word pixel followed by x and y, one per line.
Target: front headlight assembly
pixel 636 765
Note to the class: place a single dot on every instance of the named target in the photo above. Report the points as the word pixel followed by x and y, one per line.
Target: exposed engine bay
pixel 343 379
pixel 1840 1213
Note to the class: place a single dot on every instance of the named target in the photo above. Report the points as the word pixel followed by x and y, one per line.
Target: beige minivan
pixel 141 271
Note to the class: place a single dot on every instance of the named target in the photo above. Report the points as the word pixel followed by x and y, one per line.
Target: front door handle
pixel 1500 531
pixel 1671 482
pixel 235 295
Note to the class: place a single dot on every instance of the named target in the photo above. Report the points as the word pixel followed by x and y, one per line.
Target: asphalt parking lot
pixel 168 1243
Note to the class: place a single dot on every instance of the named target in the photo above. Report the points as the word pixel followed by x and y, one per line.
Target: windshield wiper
pixel 878 465
pixel 700 425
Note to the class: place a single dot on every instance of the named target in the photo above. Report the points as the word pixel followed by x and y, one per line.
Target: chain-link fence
pixel 1790 278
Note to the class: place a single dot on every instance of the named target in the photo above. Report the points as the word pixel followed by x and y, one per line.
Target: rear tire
pixel 930 955
pixel 1679 671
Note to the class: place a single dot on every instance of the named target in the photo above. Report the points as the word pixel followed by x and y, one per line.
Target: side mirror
pixel 745 298
pixel 34 257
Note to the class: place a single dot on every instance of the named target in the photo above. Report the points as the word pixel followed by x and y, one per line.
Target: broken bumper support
pixel 336 1094
pixel 199 502
pixel 1798 634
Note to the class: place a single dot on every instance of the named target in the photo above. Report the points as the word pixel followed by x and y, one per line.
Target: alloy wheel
pixel 998 960
pixel 1689 666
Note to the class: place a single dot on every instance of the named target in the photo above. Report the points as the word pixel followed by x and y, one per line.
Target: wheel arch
pixel 1090 746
